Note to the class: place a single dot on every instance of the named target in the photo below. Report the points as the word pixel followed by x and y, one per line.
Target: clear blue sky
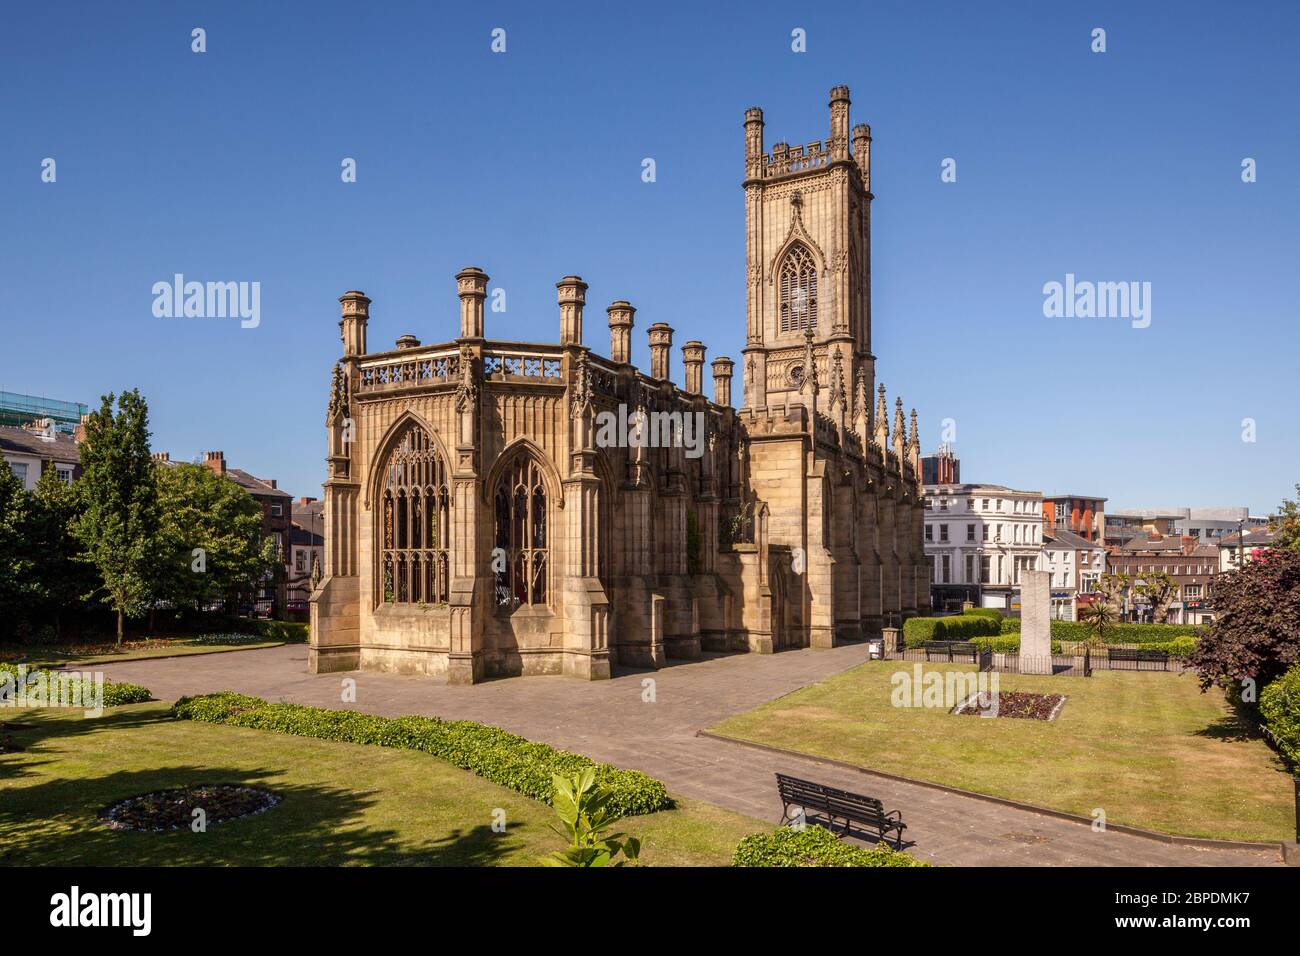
pixel 1116 166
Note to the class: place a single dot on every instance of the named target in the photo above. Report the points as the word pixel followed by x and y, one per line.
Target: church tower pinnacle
pixel 808 259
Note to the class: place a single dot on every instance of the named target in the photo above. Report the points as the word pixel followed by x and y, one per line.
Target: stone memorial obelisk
pixel 1035 622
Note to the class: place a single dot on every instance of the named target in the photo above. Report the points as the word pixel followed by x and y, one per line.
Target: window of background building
pixel 970 532
pixel 943 532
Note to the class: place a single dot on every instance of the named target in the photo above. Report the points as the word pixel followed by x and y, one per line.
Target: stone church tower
pixel 490 513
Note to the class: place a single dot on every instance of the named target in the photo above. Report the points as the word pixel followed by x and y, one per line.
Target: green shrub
pixel 490 752
pixel 1011 625
pixel 813 846
pixel 291 632
pixel 115 695
pixel 1279 708
pixel 986 612
pixel 960 627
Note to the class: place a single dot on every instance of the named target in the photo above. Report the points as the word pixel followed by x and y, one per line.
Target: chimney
pixel 304 500
pixel 693 362
pixel 161 456
pixel 270 481
pixel 215 460
pixel 571 296
pixel 79 433
pixel 621 315
pixel 407 341
pixel 661 340
pixel 471 286
pixel 722 368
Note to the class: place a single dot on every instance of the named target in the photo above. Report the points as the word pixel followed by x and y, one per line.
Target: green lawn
pixel 85 655
pixel 343 803
pixel 1148 748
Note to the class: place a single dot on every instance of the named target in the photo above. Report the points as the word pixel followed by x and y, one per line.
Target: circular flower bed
pixel 1017 704
pixel 174 809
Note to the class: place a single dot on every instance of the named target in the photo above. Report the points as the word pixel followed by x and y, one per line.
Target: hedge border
pixel 814 845
pixel 115 694
pixel 492 753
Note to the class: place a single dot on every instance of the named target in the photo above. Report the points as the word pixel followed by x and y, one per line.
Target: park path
pixel 609 721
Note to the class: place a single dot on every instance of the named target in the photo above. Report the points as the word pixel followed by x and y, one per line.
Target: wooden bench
pixel 1138 656
pixel 949 650
pixel 835 805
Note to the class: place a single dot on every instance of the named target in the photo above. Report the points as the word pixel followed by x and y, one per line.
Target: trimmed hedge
pixel 961 627
pixel 1115 634
pixel 986 612
pixel 814 846
pixel 291 632
pixel 490 752
pixel 1279 708
pixel 1007 644
pixel 115 694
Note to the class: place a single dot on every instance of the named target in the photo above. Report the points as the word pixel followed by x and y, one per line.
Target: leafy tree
pixel 1159 590
pixel 1256 631
pixel 1112 588
pixel 15 557
pixel 583 809
pixel 210 544
pixel 1285 525
pixel 118 525
pixel 61 574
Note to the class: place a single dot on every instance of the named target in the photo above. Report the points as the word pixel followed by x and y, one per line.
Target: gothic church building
pixel 477 526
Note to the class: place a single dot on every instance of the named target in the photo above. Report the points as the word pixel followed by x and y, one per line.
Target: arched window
pixel 521 533
pixel 798 291
pixel 415 509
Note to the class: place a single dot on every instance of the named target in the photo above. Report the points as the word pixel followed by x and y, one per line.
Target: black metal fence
pixel 1013 662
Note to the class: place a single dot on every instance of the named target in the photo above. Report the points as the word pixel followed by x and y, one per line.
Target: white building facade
pixel 979 539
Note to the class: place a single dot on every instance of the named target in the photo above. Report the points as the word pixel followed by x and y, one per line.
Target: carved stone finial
pixel 339 399
pixel 467 388
pixel 581 386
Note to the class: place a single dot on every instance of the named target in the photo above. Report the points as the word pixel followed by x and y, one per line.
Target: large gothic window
pixel 521 531
pixel 416 516
pixel 798 294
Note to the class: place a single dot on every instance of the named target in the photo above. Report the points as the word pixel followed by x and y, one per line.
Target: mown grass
pixel 1147 748
pixel 344 804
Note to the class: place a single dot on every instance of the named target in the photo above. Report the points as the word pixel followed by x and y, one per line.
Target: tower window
pixel 521 534
pixel 798 291
pixel 416 522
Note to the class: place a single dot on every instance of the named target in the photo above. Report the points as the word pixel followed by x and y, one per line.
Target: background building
pixel 978 539
pixel 307 552
pixel 1191 564
pixel 1206 525
pixel 32 449
pixel 1075 564
pixel 1236 549
pixel 18 409
pixel 941 468
pixel 1083 515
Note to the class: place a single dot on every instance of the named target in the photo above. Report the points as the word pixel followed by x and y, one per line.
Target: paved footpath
pixel 609 721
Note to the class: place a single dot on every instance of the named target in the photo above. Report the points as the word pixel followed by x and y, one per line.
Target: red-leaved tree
pixel 1256 631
